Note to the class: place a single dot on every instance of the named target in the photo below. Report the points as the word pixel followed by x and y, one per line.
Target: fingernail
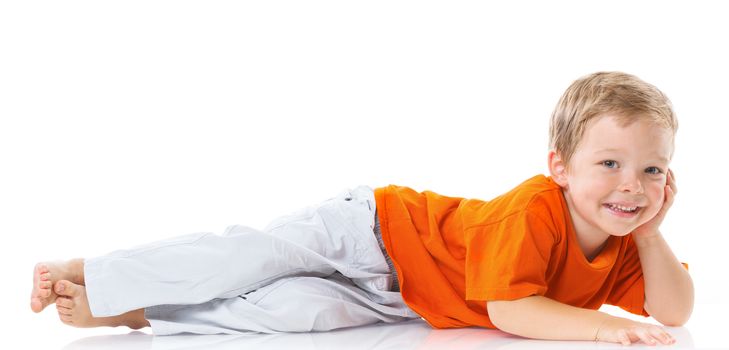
pixel 61 287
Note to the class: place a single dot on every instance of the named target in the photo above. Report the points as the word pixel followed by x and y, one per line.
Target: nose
pixel 631 183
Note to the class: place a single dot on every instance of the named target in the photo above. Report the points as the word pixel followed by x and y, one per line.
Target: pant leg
pixel 347 220
pixel 293 304
pixel 334 235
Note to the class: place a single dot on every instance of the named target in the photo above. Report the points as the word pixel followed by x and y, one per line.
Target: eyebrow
pixel 606 150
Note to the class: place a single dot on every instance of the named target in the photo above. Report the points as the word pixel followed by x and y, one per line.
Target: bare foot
pixel 73 310
pixel 45 274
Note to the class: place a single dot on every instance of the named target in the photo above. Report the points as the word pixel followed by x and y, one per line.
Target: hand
pixel 650 228
pixel 625 331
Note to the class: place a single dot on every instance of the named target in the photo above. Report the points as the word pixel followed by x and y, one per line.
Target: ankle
pixel 135 319
pixel 76 269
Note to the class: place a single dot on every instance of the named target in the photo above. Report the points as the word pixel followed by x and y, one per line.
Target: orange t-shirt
pixel 454 254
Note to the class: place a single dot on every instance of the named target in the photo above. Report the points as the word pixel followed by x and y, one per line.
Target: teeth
pixel 622 208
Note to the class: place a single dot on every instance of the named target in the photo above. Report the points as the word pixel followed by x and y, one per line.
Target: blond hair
pixel 619 94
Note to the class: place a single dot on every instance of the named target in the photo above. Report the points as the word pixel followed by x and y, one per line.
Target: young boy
pixel 550 251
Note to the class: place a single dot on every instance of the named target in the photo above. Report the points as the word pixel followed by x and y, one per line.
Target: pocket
pixel 191 238
pixel 256 296
pixel 297 215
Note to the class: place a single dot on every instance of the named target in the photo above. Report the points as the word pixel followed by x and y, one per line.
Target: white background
pixel 127 122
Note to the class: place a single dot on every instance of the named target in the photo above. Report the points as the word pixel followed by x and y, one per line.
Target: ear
pixel 557 168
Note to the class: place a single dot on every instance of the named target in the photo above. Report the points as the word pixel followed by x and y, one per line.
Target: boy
pixel 550 251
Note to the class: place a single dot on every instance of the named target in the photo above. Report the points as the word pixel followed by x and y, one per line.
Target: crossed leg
pixel 45 274
pixel 73 309
pixel 63 283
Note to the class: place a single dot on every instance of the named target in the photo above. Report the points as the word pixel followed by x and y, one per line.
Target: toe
pixel 64 310
pixel 61 286
pixel 44 293
pixel 36 305
pixel 65 302
pixel 45 276
pixel 41 268
pixel 66 288
pixel 65 318
pixel 45 285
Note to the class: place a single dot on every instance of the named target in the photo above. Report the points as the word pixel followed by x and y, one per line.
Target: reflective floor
pixel 412 335
pixel 704 331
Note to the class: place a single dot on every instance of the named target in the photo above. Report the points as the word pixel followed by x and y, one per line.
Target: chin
pixel 620 233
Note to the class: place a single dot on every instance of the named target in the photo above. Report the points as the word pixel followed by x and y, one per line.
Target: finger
pixel 672 181
pixel 667 203
pixel 644 336
pixel 656 334
pixel 623 337
pixel 662 336
pixel 668 337
pixel 670 197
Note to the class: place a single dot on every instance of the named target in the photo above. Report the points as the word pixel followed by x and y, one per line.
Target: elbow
pixel 672 323
pixel 675 315
pixel 524 317
pixel 500 313
pixel 676 320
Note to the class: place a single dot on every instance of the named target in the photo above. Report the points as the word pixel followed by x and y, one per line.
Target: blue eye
pixel 653 170
pixel 610 163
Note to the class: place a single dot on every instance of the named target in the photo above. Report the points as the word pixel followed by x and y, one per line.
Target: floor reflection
pixel 409 335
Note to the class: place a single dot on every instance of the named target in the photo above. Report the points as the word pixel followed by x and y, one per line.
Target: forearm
pixel 539 317
pixel 669 290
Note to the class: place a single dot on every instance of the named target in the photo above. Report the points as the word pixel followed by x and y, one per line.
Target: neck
pixel 591 240
pixel 591 249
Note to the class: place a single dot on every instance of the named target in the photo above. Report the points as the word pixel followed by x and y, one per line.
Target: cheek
pixel 590 189
pixel 599 189
pixel 656 194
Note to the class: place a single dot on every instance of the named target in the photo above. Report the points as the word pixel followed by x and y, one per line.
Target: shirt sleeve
pixel 508 259
pixel 628 292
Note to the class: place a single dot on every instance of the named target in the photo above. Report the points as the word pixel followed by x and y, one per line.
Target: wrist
pixel 599 328
pixel 605 332
pixel 605 325
pixel 646 239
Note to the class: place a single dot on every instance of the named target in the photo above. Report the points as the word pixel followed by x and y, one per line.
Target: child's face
pixel 617 166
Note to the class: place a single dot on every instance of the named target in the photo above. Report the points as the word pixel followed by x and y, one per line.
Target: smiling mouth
pixel 622 210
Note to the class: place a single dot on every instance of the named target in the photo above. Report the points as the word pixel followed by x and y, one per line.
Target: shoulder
pixel 545 199
pixel 538 197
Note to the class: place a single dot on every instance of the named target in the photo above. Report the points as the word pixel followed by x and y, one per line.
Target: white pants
pixel 316 269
